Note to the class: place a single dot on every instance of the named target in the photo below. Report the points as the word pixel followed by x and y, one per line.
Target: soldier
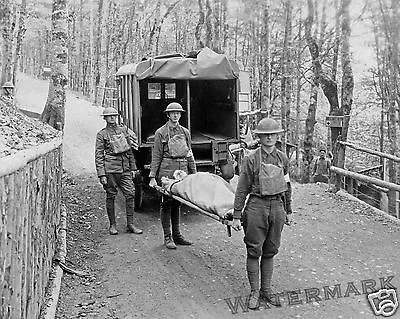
pixel 8 90
pixel 116 167
pixel 171 151
pixel 322 166
pixel 265 177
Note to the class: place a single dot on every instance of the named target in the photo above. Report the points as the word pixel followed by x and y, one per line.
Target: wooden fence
pixel 376 192
pixel 30 183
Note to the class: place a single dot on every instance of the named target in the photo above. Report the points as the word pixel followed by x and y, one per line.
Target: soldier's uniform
pixel 171 152
pixel 115 160
pixel 321 169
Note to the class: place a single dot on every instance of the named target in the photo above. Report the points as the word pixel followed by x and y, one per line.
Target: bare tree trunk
pixel 199 25
pixel 209 39
pixel 54 110
pixel 92 54
pixel 347 81
pixel 312 107
pixel 81 54
pixel 266 66
pixel 96 62
pixel 236 34
pixel 323 25
pixel 130 35
pixel 160 23
pixel 380 87
pixel 337 41
pixel 298 94
pixel 217 25
pixel 103 67
pixel 151 46
pixel 286 82
pixel 225 26
pixel 335 60
pixel 309 130
pixel 6 32
pixel 393 85
pixel 20 35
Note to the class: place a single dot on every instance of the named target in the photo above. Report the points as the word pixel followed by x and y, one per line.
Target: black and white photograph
pixel 199 159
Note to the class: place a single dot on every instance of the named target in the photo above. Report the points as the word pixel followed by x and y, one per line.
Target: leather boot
pixel 266 294
pixel 131 228
pixel 253 270
pixel 168 242
pixel 165 214
pixel 271 298
pixel 111 216
pixel 175 220
pixel 180 240
pixel 113 230
pixel 254 301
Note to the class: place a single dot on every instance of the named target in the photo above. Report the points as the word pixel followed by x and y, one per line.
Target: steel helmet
pixel 8 84
pixel 108 111
pixel 268 126
pixel 174 107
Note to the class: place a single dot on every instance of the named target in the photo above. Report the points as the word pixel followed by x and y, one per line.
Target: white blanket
pixel 207 191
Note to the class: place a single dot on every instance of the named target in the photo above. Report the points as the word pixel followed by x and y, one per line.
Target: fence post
pixel 393 203
pixel 384 203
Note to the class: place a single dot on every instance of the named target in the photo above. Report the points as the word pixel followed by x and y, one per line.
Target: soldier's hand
pixel 236 224
pixel 133 173
pixel 103 180
pixel 289 219
pixel 153 182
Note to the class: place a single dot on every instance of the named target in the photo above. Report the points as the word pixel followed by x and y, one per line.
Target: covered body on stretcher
pixel 207 191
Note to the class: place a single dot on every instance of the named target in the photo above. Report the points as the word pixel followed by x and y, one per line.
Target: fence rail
pixel 30 183
pixel 370 151
pixel 383 193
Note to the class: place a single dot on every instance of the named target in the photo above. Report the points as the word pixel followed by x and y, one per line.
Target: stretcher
pixel 227 219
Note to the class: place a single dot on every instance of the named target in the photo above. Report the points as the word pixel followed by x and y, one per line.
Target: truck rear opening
pixel 211 113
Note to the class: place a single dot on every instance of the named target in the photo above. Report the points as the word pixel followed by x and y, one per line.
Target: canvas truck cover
pixel 208 66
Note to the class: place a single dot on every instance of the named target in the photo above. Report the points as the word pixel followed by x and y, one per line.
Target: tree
pixel 315 81
pixel 6 33
pixel 266 61
pixel 20 36
pixel 200 24
pixel 54 110
pixel 209 39
pixel 286 78
pixel 98 50
pixel 347 82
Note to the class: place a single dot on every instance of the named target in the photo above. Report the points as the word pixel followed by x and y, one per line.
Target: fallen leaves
pixel 19 132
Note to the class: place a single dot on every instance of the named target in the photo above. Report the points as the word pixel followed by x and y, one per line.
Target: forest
pixel 307 59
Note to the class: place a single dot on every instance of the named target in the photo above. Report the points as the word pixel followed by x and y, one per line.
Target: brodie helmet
pixel 174 107
pixel 109 111
pixel 268 126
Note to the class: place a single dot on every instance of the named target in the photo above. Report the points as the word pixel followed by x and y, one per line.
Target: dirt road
pixel 83 120
pixel 333 242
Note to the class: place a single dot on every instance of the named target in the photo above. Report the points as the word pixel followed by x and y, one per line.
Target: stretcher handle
pixel 229 219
